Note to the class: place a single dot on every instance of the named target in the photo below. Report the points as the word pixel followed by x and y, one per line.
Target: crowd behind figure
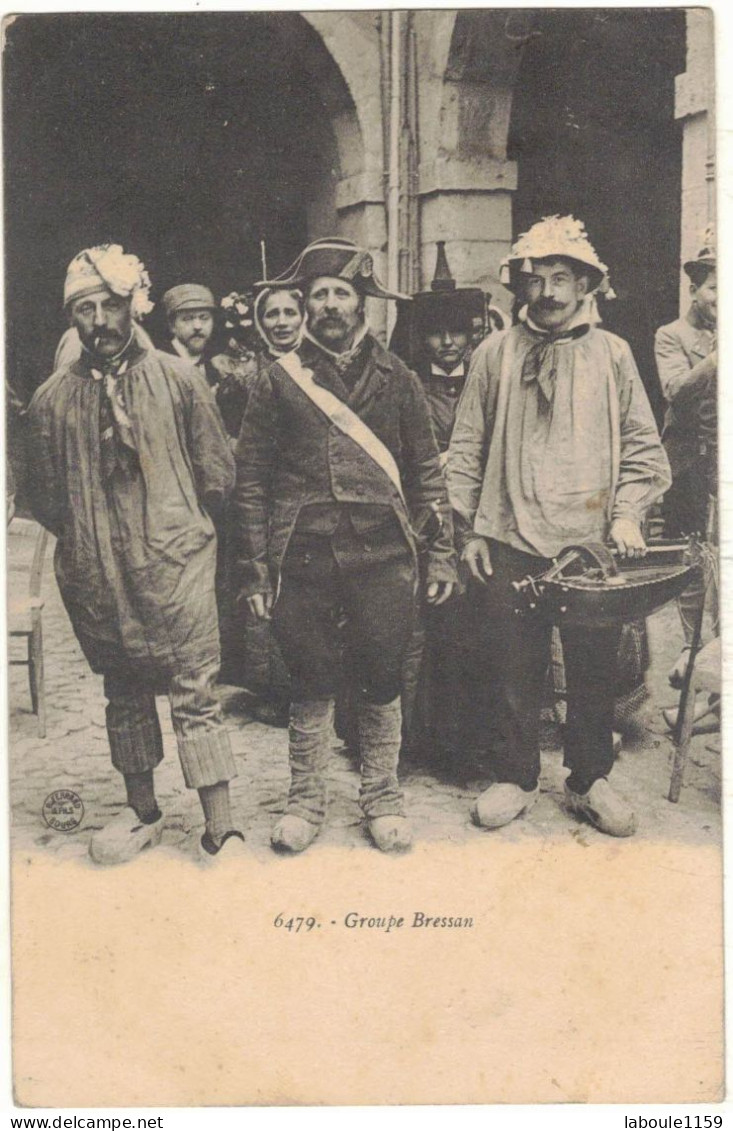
pixel 687 362
pixel 316 518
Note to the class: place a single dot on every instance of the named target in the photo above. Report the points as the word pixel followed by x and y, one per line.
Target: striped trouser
pixel 134 734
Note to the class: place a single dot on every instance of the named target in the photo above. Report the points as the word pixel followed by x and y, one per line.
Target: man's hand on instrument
pixel 438 592
pixel 260 604
pixel 627 537
pixel 476 556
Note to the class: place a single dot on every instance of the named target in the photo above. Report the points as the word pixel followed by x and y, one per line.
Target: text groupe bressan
pixel 394 922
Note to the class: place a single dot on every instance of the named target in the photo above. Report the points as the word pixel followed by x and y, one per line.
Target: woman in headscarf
pixel 278 316
pixel 252 655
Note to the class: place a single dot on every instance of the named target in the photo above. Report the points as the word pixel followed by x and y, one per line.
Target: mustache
pixel 330 320
pixel 548 304
pixel 329 313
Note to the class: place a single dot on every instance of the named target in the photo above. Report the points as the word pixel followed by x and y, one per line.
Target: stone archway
pixel 228 128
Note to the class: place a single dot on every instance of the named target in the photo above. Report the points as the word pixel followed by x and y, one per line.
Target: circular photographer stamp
pixel 63 810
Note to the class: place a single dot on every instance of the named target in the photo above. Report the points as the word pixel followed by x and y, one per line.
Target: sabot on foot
pixel 705 717
pixel 390 833
pixel 124 837
pixel 293 834
pixel 502 803
pixel 230 847
pixel 604 808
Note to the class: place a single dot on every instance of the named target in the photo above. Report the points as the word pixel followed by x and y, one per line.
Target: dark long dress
pixel 250 654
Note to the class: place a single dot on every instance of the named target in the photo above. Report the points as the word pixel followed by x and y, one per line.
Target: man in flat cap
pixel 687 362
pixel 191 313
pixel 554 444
pixel 337 468
pixel 132 456
pixel 189 309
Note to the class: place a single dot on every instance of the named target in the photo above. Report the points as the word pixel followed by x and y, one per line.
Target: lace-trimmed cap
pixel 106 267
pixel 551 237
pixel 338 259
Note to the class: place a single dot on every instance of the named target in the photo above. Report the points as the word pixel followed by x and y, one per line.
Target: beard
pixel 197 344
pixel 334 329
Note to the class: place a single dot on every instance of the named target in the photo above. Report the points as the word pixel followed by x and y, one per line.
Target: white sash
pixel 343 417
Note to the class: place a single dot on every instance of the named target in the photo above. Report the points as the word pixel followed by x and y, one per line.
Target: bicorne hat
pixel 338 259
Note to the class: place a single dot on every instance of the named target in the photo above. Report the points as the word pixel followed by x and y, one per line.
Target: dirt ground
pixel 74 755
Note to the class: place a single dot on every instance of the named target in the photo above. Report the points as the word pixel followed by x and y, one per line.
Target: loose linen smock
pixel 554 438
pixel 136 552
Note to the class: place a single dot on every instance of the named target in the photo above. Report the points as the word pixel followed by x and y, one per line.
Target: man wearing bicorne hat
pixel 132 457
pixel 687 362
pixel 554 444
pixel 337 469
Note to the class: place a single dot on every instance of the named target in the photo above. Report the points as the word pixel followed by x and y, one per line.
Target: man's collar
pixel 339 358
pixel 458 371
pixel 183 353
pixel 379 356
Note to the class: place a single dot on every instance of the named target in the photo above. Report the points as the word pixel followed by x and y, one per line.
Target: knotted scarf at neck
pixel 116 438
pixel 540 362
pixel 347 364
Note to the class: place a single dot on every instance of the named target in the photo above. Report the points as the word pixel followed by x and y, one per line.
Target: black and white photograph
pixel 362 556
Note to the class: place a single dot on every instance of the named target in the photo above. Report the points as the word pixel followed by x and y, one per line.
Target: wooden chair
pixel 29 611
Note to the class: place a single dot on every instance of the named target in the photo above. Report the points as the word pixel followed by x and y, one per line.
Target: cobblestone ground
pixel 74 755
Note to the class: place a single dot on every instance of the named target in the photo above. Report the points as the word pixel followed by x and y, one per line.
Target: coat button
pixel 360 490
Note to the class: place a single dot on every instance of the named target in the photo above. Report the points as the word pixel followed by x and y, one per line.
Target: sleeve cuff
pixel 625 510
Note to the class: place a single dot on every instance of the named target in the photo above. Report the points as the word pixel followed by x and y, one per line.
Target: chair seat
pixel 18 612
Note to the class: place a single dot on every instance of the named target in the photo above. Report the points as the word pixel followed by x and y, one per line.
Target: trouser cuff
pixel 207 759
pixel 135 747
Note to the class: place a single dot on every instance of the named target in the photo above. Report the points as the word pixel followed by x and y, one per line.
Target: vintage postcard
pixel 362 557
